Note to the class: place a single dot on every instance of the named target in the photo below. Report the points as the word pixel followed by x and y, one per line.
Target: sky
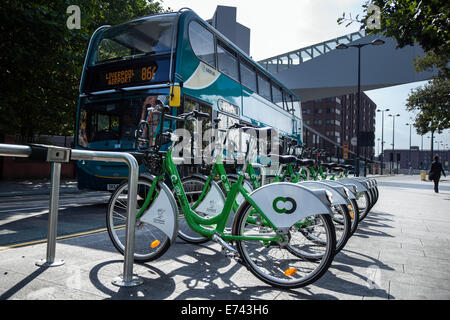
pixel 293 24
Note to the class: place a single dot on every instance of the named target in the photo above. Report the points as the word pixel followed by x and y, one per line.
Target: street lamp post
pixel 378 148
pixel 375 42
pixel 432 146
pixel 382 137
pixel 421 154
pixel 393 136
pixel 409 153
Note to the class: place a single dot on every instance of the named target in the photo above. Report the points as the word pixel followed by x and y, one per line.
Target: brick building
pixel 416 158
pixel 335 118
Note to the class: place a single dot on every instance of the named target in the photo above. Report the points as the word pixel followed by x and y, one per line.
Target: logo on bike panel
pixel 285 205
pixel 160 218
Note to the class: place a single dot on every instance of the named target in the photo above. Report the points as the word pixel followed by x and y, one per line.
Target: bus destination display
pixel 131 75
pixel 105 77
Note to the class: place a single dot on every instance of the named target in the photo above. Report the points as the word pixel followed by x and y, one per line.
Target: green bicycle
pixel 265 230
pixel 344 216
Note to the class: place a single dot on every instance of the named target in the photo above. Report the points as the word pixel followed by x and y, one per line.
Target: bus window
pixel 231 146
pixel 277 97
pixel 202 43
pixel 264 87
pixel 200 128
pixel 297 108
pixel 141 37
pixel 111 125
pixel 110 50
pixel 227 62
pixel 288 102
pixel 248 77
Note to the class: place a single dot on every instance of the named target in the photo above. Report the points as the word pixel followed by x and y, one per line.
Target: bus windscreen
pixel 135 39
pixel 130 54
pixel 112 125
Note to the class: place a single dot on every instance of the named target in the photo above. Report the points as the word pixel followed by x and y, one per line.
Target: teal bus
pixel 178 60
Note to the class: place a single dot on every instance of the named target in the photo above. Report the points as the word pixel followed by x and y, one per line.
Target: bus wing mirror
pixel 175 96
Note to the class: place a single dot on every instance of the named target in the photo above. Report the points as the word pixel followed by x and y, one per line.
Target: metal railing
pixel 56 156
pixel 292 58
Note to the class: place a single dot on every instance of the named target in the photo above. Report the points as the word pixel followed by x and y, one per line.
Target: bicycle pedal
pixel 227 248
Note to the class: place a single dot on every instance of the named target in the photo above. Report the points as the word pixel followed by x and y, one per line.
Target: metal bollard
pixel 52 220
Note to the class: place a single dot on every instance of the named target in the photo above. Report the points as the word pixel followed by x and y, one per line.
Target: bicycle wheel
pixel 232 178
pixel 150 242
pixel 274 263
pixel 193 187
pixel 354 214
pixel 363 201
pixel 342 225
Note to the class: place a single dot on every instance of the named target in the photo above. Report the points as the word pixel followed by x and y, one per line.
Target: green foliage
pixel 432 103
pixel 410 21
pixel 41 59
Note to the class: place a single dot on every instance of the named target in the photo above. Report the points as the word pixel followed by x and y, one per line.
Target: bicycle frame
pixel 194 221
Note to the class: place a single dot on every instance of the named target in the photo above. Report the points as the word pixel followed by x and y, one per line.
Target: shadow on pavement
pixel 203 279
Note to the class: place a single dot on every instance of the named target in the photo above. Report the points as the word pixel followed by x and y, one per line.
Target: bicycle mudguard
pixel 340 187
pixel 163 213
pixel 368 182
pixel 360 187
pixel 338 198
pixel 213 202
pixel 286 203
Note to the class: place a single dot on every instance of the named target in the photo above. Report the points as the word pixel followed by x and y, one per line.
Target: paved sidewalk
pixel 401 251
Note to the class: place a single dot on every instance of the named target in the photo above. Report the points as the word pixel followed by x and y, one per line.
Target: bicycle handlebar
pixel 194 114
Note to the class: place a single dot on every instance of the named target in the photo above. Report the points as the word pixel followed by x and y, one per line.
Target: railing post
pixel 52 219
pixel 56 156
pixel 128 279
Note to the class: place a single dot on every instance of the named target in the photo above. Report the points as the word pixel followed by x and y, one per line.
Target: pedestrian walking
pixel 435 173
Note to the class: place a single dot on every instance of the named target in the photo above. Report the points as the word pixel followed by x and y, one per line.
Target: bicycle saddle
pixel 305 162
pixel 284 159
pixel 287 159
pixel 267 130
pixel 139 156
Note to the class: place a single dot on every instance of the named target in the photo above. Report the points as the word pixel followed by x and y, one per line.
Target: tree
pixel 410 21
pixel 432 103
pixel 41 59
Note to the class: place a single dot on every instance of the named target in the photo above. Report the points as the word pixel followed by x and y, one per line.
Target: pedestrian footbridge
pixel 321 70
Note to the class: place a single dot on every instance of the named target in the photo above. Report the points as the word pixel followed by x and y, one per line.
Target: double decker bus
pixel 174 59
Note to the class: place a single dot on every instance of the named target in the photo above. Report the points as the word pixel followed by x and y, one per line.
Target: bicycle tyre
pixel 355 219
pixel 363 201
pixel 191 184
pixel 342 225
pixel 145 234
pixel 275 274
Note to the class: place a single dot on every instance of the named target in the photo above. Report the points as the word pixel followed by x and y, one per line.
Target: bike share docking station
pixel 59 155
